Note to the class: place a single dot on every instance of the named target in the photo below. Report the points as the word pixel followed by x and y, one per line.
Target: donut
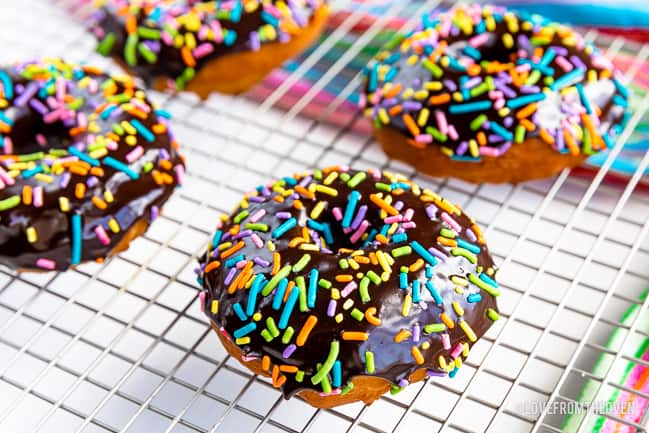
pixel 86 162
pixel 206 46
pixel 623 404
pixel 341 285
pixel 484 94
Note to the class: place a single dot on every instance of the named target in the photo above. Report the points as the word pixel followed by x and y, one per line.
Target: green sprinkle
pixel 304 260
pixel 432 68
pixel 434 327
pixel 382 186
pixel 436 134
pixel 369 362
pixel 465 253
pixel 395 41
pixel 117 129
pixel 266 335
pixel 479 90
pixel 31 157
pixel 404 269
pixel 299 376
pixel 533 78
pixel 347 388
pixel 362 290
pixel 259 227
pixel 325 284
pixel 396 389
pixel 447 233
pixel 357 179
pixel 373 277
pixel 357 314
pixel 519 134
pixel 334 349
pixel 342 263
pixel 10 202
pixel 129 49
pixel 283 273
pixel 478 122
pixel 240 216
pixel 288 334
pixel 401 251
pixel 147 167
pixel 146 52
pixel 272 327
pixel 484 286
pixel 317 174
pixel 301 284
pixel 148 33
pixel 492 314
pixel 106 44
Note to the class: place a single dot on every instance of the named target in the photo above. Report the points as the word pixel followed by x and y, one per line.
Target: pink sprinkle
pixel 489 151
pixel 60 88
pixel 458 349
pixel 441 121
pixel 5 177
pixel 361 230
pixel 46 264
pixel 216 29
pixel 393 219
pixel 9 146
pixel 337 213
pixel 2 184
pixel 241 263
pixel 450 221
pixel 167 38
pixel 452 132
pixel 52 116
pixel 495 94
pixel 409 225
pixel 180 174
pixel 201 300
pixel 141 105
pixel 111 145
pixel 37 196
pixel 257 215
pixel 257 240
pixel 93 86
pixel 564 63
pixel 135 154
pixel 424 138
pixel 409 214
pixel 362 100
pixel 82 120
pixel 478 40
pixel 524 67
pixel 102 235
pixel 446 342
pixel 333 392
pixel 203 50
pixel 500 103
pixel 350 287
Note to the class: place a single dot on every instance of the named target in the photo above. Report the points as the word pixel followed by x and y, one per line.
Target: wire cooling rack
pixel 122 346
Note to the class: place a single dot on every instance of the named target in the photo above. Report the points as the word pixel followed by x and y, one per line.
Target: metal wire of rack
pixel 122 346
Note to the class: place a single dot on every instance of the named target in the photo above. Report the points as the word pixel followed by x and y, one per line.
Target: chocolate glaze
pixel 133 201
pixel 169 63
pixel 393 361
pixel 600 93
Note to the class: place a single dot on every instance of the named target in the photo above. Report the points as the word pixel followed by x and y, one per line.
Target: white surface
pixel 123 346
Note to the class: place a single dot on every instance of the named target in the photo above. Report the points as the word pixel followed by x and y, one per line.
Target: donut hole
pixel 30 133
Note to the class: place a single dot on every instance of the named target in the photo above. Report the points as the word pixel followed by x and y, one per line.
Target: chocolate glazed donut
pixel 343 284
pixel 488 95
pixel 206 46
pixel 86 163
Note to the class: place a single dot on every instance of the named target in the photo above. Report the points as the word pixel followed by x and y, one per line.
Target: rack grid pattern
pixel 123 347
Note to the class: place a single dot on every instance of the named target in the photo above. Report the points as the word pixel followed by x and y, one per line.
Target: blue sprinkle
pixel 434 293
pixel 83 156
pixel 525 100
pixel 453 373
pixel 469 107
pixel 468 246
pixel 403 280
pixel 393 58
pixel 354 197
pixel 120 166
pixel 232 261
pixel 7 85
pixel 399 185
pixel 399 237
pixel 548 56
pixel 416 291
pixel 290 180
pixel 143 130
pixel 5 119
pixel 584 99
pixel 286 226
pixel 162 113
pixel 235 13
pixel 423 252
pixel 472 52
pixel 245 330
pixel 279 294
pixel 270 19
pixel 391 74
pixel 567 79
pixel 288 308
pixel 105 114
pixel 429 271
pixel 252 294
pixel 484 277
pixel 337 374
pixel 618 100
pixel 498 129
pixel 373 79
pixel 26 174
pixel 620 88
pixel 216 239
pixel 474 297
pixel 229 38
pixel 313 286
pixel 239 312
pixel 76 239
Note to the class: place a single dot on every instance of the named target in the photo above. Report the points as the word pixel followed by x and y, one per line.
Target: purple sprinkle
pixel 432 373
pixel 289 350
pixel 230 276
pixel 561 51
pixel 504 148
pixel 437 253
pixel 495 138
pixel 283 215
pixel 505 89
pixel 64 180
pixel 256 199
pixel 508 121
pixel 462 148
pixel 431 211
pixel 416 333
pixel 359 217
pixel 450 85
pixel 398 205
pixel 472 237
pixel 242 234
pixel 473 82
pixel 412 105
pixel 530 89
pixel 261 262
pixel 577 62
pixel 92 181
pixel 155 211
pixel 331 309
pixel 29 92
pixel 523 41
pixel 255 44
pixel 305 181
pixel 559 142
pixel 38 106
pixel 403 383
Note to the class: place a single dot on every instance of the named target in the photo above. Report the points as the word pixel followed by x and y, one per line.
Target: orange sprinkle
pixel 370 316
pixel 131 24
pixel 297 204
pixel 306 330
pixel 97 171
pixel 157 178
pixel 402 336
pixel 439 99
pixel 373 258
pixel 474 70
pixel 397 109
pixel 529 126
pixel 447 320
pixel 411 124
pixel 279 199
pixel 159 128
pixel 344 278
pixel 383 205
pixel 478 232
pixel 394 91
pixel 280 381
pixel 265 363
pixel 362 259
pixel 446 242
pixel 247 276
pixel 526 111
pixel 165 164
pixel 482 138
pixel 98 202
pixel 275 374
pixel 76 131
pixel 277 261
pixel 212 265
pixel 186 54
pixel 233 249
pixel 416 353
pixel 419 263
pixel 545 136
pixel 77 169
pixel 288 290
pixel 80 190
pixel 355 336
pixel 137 113
pixel 27 195
pixel 594 136
pixel 570 142
pixel 382 239
pixel 288 369
pixel 304 192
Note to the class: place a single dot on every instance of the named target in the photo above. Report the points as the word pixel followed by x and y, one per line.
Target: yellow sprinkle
pixel 465 350
pixel 332 176
pixel 424 114
pixel 349 303
pixel 408 93
pixel 99 153
pixel 317 209
pixel 503 112
pixel 326 190
pixel 128 127
pixel 64 204
pixel 473 148
pixel 433 85
pixel 113 225
pixel 335 294
pixel 385 276
pixel 242 340
pixel 31 235
pixel 468 331
pixel 382 261
pixel 459 290
pixel 353 264
pixel 458 362
pixel 257 316
pixel 190 40
pixel 108 196
pixel 592 76
pixel 508 40
pixel 43 177
pixel 425 345
pixel 339 317
pixel 215 307
pixel 412 60
pixel 458 309
pixel 383 116
pixel 416 353
pixel 460 281
pixel 405 308
pixel 421 94
pixel 457 97
pixel 442 362
pixel 131 140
